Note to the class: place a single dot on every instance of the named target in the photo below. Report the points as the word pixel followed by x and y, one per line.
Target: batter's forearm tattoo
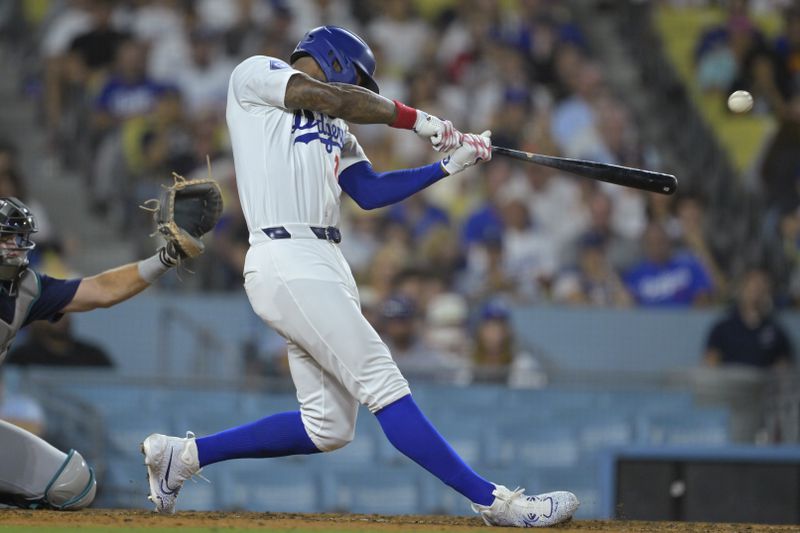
pixel 348 102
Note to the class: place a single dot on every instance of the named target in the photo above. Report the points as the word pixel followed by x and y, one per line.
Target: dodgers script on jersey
pixel 287 162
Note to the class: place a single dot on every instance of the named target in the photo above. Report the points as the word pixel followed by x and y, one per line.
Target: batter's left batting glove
pixel 474 148
pixel 443 135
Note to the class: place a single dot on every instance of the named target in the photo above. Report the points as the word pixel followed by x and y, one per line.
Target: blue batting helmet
pixel 341 54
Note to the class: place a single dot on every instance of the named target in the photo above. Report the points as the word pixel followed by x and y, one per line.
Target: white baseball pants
pixel 303 288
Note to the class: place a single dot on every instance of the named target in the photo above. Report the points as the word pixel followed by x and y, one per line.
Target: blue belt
pixel 329 233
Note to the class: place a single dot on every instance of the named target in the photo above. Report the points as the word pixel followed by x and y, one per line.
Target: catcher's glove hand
pixel 185 212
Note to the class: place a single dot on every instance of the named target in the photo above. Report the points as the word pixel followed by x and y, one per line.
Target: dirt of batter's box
pixel 344 522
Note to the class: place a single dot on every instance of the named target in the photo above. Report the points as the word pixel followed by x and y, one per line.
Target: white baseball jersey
pixel 287 168
pixel 287 162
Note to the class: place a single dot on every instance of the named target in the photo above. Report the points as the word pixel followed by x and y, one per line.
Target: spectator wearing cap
pixel 400 329
pixel 750 334
pixel 665 278
pixel 496 356
pixel 593 280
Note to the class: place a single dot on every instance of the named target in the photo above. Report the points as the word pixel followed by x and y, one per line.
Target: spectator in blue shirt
pixel 419 215
pixel 665 278
pixel 750 334
pixel 129 92
pixel 487 218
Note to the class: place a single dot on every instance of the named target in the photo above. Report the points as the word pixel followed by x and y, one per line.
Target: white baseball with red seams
pixel 740 101
pixel 287 167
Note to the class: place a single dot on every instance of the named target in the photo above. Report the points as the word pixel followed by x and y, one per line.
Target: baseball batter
pixel 34 474
pixel 294 155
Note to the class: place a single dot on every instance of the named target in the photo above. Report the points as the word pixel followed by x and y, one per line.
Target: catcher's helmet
pixel 341 54
pixel 16 225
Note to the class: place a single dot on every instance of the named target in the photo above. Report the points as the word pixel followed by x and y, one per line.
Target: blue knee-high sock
pixel 410 432
pixel 273 436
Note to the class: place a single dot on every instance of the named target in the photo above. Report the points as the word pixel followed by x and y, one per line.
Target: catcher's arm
pixel 186 211
pixel 118 284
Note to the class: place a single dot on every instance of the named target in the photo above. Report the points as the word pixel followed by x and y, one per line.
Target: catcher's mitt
pixel 186 211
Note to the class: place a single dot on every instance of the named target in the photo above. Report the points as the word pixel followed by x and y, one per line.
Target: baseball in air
pixel 740 102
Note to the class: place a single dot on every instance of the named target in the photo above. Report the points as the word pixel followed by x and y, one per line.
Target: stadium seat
pixel 372 489
pixel 533 446
pixel 698 427
pixel 597 432
pixel 274 485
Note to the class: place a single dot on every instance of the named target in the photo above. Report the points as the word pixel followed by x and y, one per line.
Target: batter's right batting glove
pixel 474 148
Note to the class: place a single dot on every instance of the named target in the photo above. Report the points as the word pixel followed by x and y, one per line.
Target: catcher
pixel 34 474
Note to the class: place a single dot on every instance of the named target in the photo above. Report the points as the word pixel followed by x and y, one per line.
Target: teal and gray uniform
pixel 32 472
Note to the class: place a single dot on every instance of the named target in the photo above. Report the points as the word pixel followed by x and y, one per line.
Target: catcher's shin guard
pixel 73 486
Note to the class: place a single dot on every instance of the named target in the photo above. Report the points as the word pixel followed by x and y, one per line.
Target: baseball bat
pixel 645 180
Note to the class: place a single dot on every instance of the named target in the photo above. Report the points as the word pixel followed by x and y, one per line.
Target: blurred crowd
pixel 132 90
pixel 739 54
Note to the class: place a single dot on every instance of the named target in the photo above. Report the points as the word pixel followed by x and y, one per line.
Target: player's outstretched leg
pixel 411 433
pixel 172 460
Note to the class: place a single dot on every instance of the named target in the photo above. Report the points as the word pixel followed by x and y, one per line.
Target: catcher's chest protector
pixel 28 292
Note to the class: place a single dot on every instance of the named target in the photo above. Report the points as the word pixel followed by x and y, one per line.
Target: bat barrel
pixel 646 180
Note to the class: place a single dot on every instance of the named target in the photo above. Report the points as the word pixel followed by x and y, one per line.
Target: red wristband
pixel 406 116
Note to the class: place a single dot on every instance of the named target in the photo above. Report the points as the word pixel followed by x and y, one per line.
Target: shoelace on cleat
pixel 515 494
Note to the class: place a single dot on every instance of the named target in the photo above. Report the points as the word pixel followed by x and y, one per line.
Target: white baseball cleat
pixel 515 509
pixel 170 461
